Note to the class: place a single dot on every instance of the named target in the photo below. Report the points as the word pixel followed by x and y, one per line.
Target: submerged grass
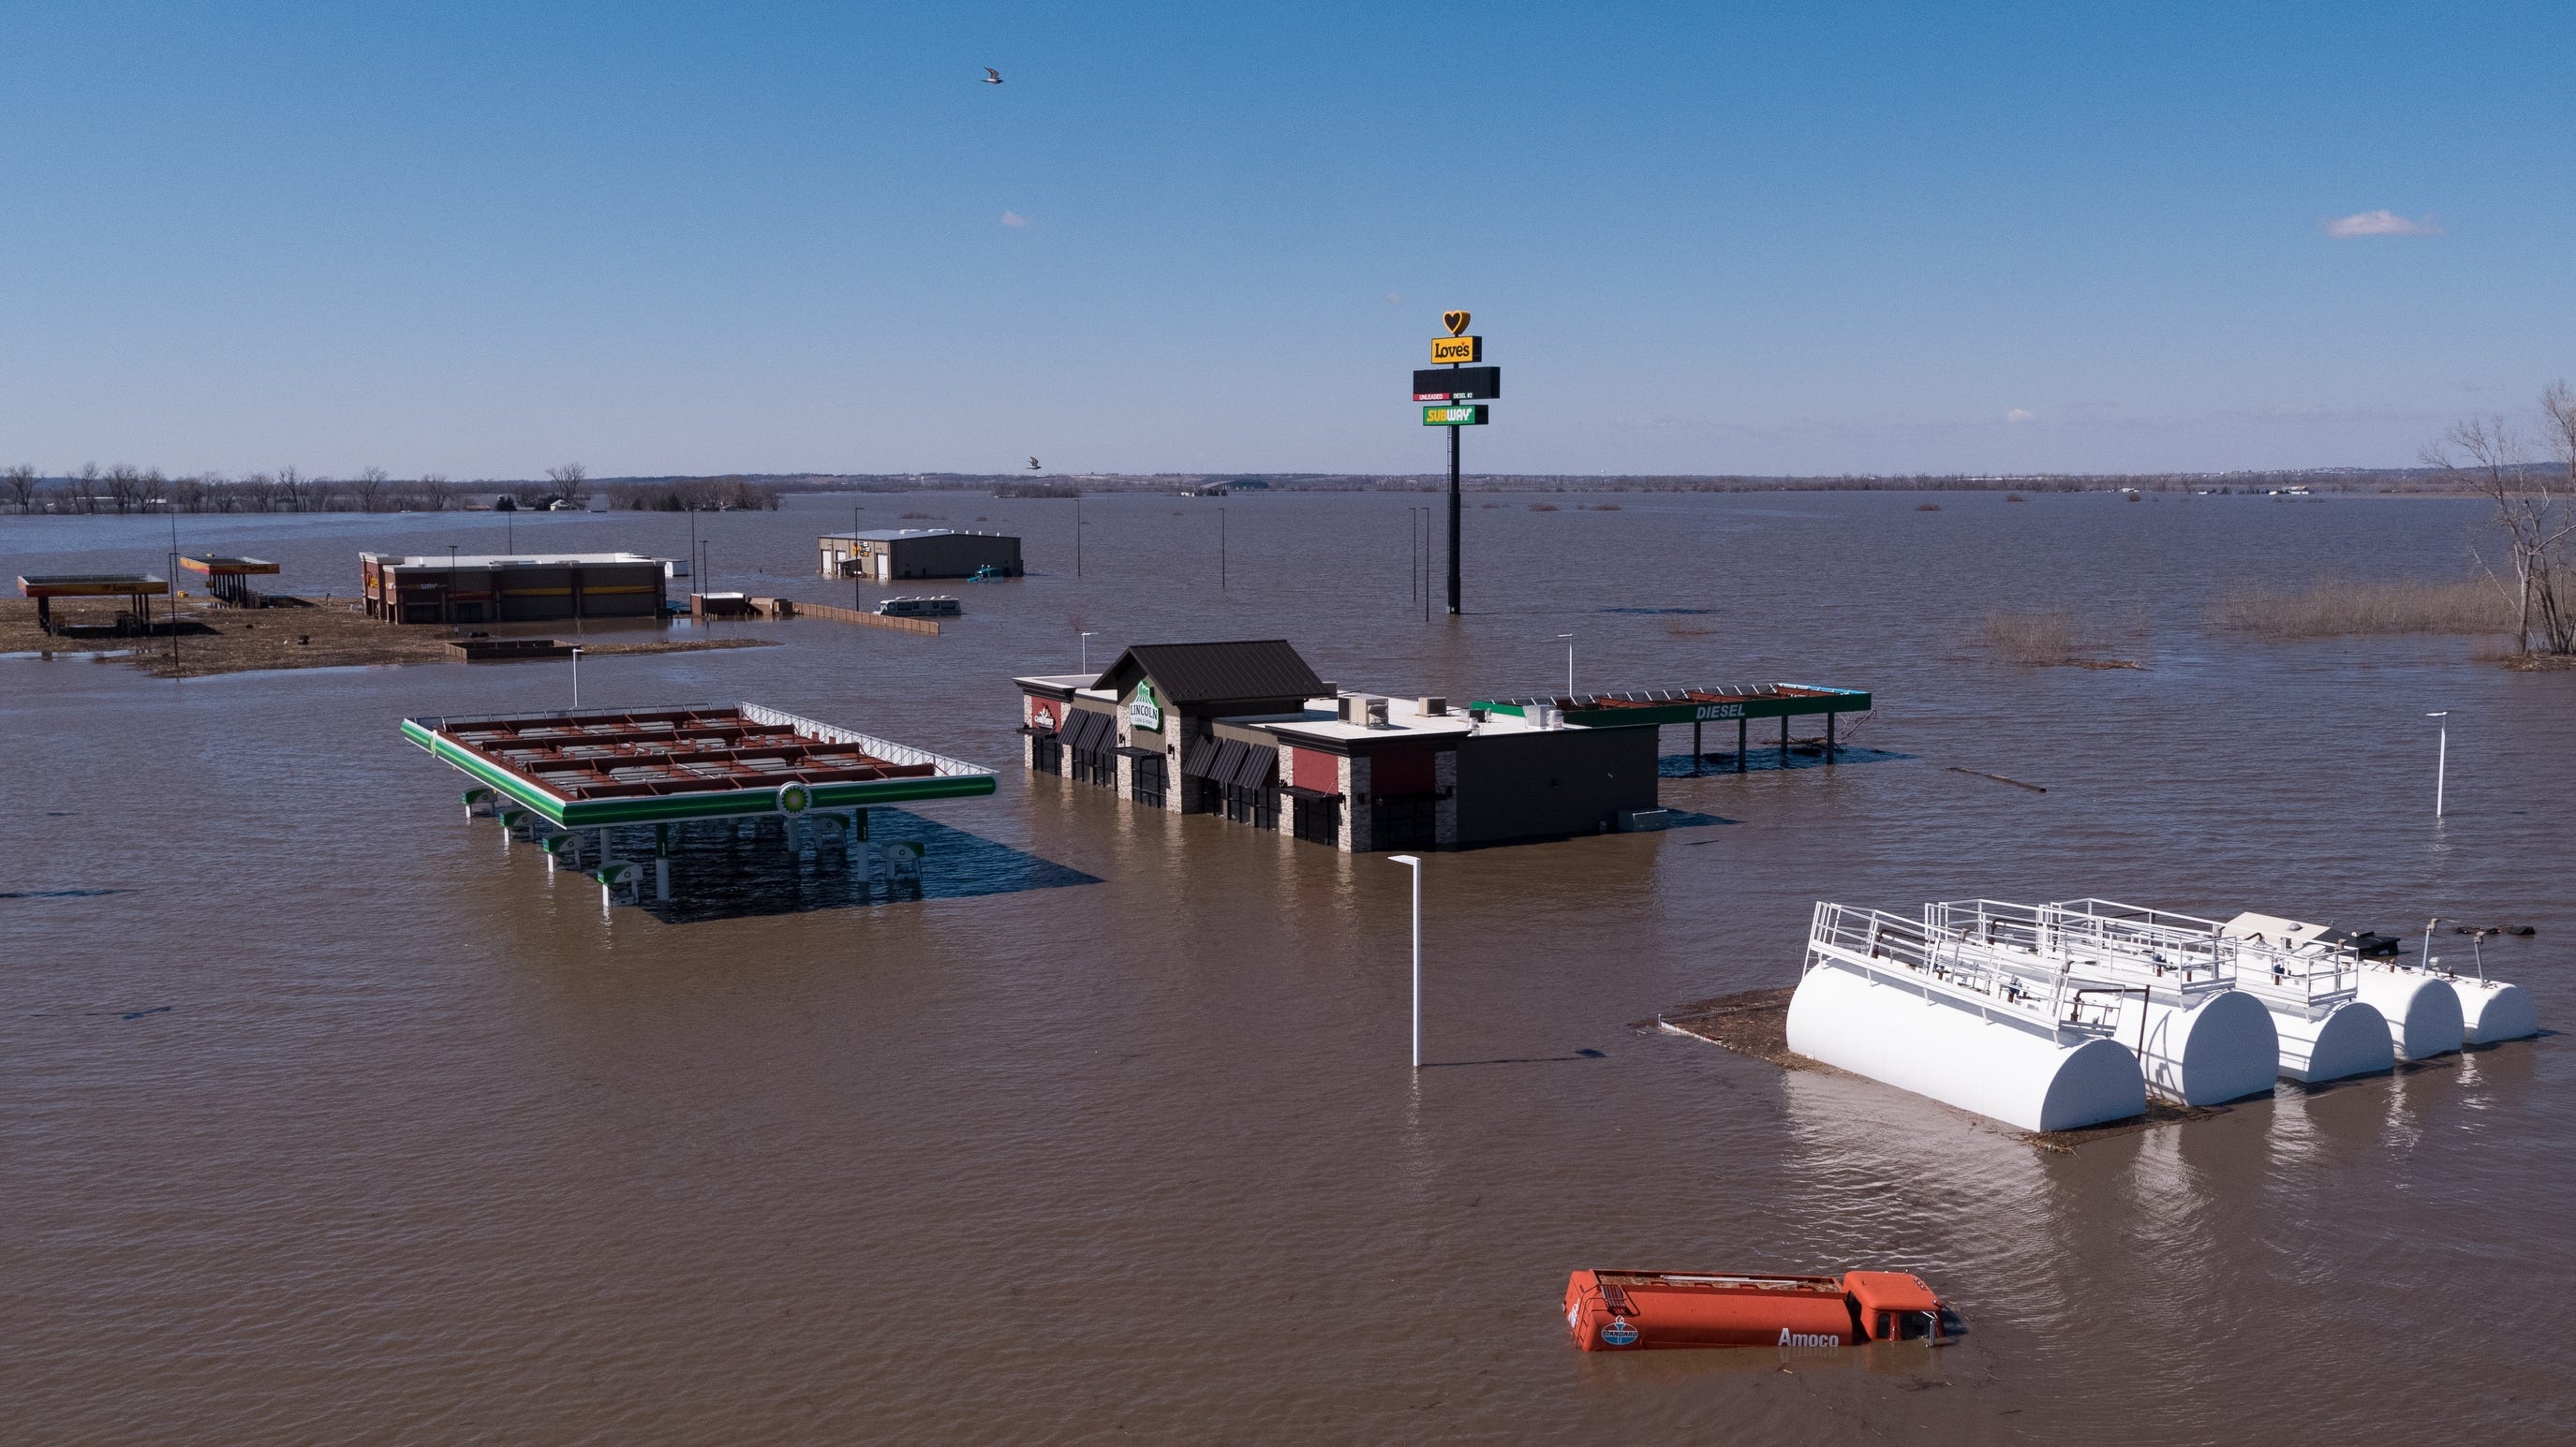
pixel 2352 606
pixel 2045 638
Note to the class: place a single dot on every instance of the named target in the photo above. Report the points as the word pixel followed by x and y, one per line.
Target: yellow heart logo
pixel 1456 322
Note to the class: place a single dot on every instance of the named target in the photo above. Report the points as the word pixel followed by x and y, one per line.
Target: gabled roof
pixel 1200 673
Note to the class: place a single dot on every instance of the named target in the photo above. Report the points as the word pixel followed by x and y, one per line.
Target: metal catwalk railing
pixel 1901 951
pixel 2184 955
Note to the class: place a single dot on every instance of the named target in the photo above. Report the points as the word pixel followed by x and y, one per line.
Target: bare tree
pixel 2489 457
pixel 568 479
pixel 188 493
pixel 288 488
pixel 124 487
pixel 20 484
pixel 367 489
pixel 85 487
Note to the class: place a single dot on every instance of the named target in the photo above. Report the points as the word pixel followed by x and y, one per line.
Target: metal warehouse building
pixel 514 589
pixel 897 553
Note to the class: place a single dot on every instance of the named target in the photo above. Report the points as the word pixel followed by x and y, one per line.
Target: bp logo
pixel 1618 1333
pixel 1145 711
pixel 793 798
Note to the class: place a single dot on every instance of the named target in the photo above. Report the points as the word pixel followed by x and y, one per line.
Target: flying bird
pixel 1033 464
pixel 992 76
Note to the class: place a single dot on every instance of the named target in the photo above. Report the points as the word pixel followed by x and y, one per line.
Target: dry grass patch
pixel 2045 638
pixel 2347 607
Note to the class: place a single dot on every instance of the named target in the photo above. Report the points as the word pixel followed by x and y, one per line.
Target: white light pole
pixel 1086 652
pixel 1569 665
pixel 2441 761
pixel 1415 864
pixel 576 677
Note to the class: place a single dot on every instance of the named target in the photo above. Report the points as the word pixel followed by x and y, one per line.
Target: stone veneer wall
pixel 1352 778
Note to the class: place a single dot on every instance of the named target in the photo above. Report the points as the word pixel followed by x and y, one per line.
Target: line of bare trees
pixel 694 494
pixel 122 489
pixel 2534 492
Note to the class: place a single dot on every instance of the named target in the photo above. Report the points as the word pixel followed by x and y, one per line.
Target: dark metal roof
pixel 1202 673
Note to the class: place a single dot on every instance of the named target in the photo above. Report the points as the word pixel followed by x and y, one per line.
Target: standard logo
pixel 1618 1333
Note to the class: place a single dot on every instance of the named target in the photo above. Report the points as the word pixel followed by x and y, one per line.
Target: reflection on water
pixel 344 1120
pixel 728 870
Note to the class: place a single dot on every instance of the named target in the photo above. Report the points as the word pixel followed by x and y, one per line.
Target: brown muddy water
pixel 324 1119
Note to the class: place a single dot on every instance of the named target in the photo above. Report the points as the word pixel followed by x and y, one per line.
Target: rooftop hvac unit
pixel 1432 707
pixel 1376 713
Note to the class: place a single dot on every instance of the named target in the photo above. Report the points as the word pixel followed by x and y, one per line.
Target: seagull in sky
pixel 992 76
pixel 1033 464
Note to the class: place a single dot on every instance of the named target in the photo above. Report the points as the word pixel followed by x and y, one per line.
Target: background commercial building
pixel 488 590
pixel 897 553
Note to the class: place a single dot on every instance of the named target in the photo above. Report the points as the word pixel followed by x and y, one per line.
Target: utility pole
pixel 1220 550
pixel 1414 863
pixel 2441 760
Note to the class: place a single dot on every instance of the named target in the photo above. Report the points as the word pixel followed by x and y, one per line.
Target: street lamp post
pixel 1415 864
pixel 2441 760
pixel 576 676
pixel 1086 651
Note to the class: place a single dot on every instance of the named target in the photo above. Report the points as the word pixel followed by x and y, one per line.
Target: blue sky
pixel 481 240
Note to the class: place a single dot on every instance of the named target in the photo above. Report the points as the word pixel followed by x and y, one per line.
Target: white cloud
pixel 1394 298
pixel 2380 223
pixel 2019 415
pixel 1014 218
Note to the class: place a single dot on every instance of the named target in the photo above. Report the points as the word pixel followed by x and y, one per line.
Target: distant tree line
pixel 694 494
pixel 122 489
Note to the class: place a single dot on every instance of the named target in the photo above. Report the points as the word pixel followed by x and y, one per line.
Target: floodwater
pixel 324 1117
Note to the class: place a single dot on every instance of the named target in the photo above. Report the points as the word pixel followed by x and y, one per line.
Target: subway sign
pixel 1470 416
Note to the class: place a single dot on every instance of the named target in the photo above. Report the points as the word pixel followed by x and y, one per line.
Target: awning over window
pixel 1084 729
pixel 1294 791
pixel 1252 769
pixel 1201 759
pixel 1130 751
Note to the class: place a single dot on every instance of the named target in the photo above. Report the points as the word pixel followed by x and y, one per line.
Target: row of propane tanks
pixel 895 863
pixel 2055 1016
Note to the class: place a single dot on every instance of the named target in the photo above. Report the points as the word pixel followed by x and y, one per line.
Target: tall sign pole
pixel 1453 522
pixel 1462 382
